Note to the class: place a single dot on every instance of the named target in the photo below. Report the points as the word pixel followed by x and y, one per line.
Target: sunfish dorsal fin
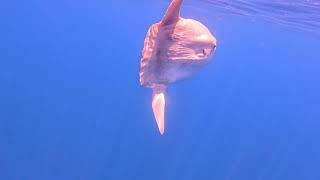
pixel 158 106
pixel 173 13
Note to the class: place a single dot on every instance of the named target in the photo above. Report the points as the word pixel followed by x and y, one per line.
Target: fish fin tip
pixel 158 107
pixel 172 14
pixel 161 131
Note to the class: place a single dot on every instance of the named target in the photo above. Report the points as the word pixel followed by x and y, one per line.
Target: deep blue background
pixel 71 107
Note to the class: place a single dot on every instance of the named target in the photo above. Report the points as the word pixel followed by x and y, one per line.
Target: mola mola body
pixel 174 49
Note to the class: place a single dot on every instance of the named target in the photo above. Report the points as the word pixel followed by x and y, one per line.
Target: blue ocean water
pixel 71 106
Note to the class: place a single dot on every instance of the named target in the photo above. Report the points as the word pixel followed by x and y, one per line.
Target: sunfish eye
pixel 206 51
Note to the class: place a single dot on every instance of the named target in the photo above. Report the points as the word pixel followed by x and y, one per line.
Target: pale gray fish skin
pixel 174 49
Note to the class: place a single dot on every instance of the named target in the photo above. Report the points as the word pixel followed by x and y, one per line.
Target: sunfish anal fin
pixel 158 106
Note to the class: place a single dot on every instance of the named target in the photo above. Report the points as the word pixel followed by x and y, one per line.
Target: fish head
pixel 183 39
pixel 189 39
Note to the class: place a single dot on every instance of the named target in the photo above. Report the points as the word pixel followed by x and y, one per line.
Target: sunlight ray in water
pixel 297 14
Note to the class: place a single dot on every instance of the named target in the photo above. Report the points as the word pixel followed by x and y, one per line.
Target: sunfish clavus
pixel 174 49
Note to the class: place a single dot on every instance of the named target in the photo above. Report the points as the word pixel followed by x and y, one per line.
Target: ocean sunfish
pixel 174 49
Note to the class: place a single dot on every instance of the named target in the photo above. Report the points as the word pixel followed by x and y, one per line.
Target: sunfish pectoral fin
pixel 158 107
pixel 173 13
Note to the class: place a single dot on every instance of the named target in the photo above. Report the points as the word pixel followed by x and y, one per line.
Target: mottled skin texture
pixel 174 49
